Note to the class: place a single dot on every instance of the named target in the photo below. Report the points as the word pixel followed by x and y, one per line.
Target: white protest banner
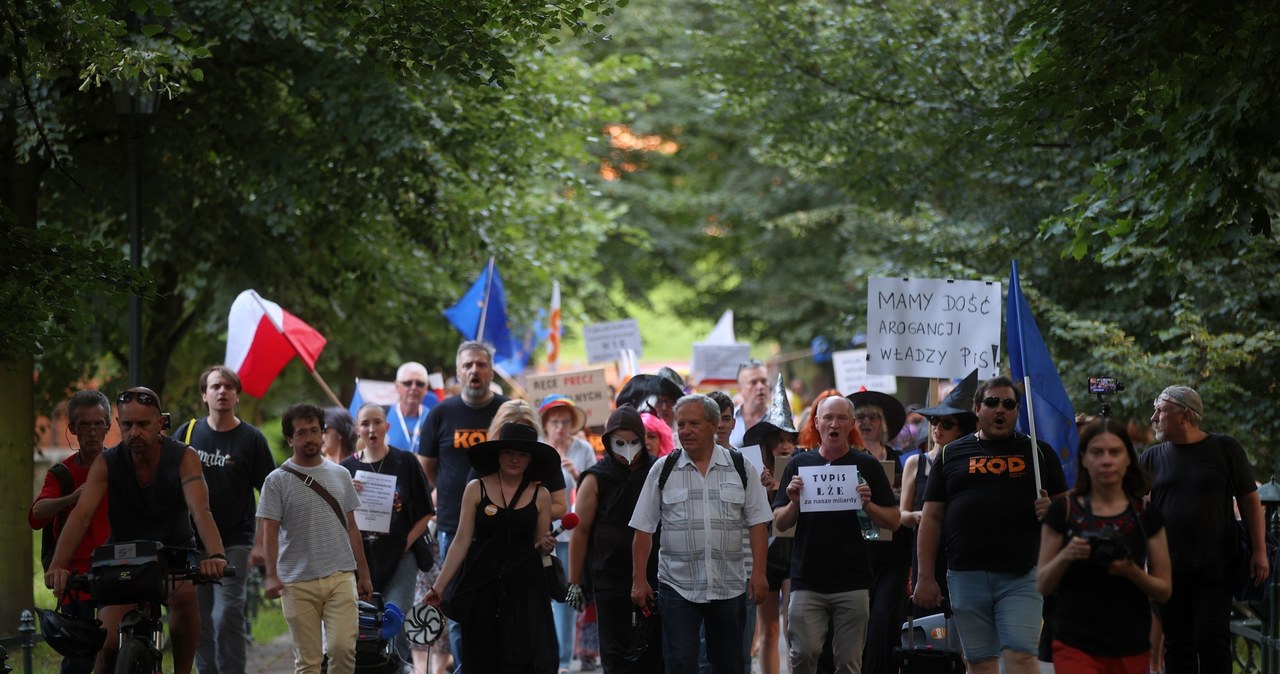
pixel 718 361
pixel 935 328
pixel 588 389
pixel 606 341
pixel 377 493
pixel 851 373
pixel 828 488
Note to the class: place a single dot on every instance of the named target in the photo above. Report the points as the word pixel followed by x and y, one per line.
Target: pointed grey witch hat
pixel 776 418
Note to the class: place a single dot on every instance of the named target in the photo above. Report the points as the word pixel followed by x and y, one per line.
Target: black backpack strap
pixel 668 465
pixel 739 463
pixel 47 540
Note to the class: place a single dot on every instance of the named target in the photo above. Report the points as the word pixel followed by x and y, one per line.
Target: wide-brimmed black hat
pixel 895 415
pixel 516 437
pixel 640 387
pixel 958 402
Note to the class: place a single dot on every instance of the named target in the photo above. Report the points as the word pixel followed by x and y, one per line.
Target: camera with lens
pixel 1106 546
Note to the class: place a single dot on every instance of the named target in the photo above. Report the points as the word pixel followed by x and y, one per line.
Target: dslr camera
pixel 1106 546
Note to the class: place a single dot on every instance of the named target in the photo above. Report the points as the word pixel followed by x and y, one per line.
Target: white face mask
pixel 624 449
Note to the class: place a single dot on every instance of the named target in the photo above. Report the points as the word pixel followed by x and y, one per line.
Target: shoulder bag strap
pixel 315 486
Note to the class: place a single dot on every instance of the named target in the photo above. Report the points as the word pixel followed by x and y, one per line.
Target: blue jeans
pixel 564 615
pixel 748 635
pixel 399 591
pixel 223 639
pixel 455 628
pixel 995 612
pixel 682 620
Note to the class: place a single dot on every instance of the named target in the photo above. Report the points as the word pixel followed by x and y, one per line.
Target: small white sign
pixel 718 361
pixel 754 454
pixel 377 493
pixel 851 373
pixel 829 488
pixel 936 328
pixel 606 341
pixel 588 389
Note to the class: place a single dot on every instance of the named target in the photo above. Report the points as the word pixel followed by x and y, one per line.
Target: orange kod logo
pixel 996 465
pixel 466 438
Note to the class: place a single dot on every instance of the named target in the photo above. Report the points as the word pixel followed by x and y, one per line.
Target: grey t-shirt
pixel 313 543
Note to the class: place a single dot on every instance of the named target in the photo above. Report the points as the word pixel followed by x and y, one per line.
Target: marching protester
pixel 982 496
pixel 339 435
pixel 1105 554
pixel 653 394
pixel 657 435
pixel 89 419
pixel 601 548
pixel 236 460
pixel 314 555
pixel 725 428
pixel 776 436
pixel 704 499
pixel 561 422
pixel 1194 477
pixel 880 417
pixel 950 420
pixel 413 401
pixel 831 577
pixel 500 596
pixel 753 388
pixel 393 563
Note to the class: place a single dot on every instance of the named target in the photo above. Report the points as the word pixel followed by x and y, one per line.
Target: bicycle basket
pixel 129 573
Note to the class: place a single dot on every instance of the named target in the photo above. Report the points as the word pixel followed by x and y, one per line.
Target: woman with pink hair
pixel 657 435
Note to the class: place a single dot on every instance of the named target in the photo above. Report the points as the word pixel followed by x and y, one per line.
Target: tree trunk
pixel 17 445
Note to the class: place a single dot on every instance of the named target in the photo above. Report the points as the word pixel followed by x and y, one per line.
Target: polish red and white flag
pixel 262 338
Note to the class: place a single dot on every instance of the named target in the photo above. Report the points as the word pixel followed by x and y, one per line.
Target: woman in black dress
pixel 501 599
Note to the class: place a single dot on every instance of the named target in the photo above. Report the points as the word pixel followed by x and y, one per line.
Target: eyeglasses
pixel 307 432
pixel 946 424
pixel 89 427
pixel 750 363
pixel 414 383
pixel 142 397
pixel 992 401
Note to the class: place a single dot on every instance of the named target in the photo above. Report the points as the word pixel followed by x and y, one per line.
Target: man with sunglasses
pixel 415 401
pixel 236 460
pixel 981 505
pixel 1194 477
pixel 155 488
pixel 89 419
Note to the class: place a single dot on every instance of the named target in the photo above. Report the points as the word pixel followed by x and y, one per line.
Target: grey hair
pixel 473 345
pixel 88 398
pixel 710 408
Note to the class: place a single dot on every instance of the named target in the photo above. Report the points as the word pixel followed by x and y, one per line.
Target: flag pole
pixel 484 305
pixel 328 391
pixel 1031 422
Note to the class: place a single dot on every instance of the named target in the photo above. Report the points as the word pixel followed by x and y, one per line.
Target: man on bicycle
pixel 155 487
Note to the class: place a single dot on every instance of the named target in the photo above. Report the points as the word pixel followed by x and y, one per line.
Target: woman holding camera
pixel 1108 554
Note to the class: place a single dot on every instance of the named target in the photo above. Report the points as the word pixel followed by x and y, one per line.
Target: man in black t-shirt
pixel 236 461
pixel 1194 476
pixel 454 426
pixel 831 575
pixel 981 504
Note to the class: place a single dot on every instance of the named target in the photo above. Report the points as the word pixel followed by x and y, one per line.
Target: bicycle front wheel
pixel 137 657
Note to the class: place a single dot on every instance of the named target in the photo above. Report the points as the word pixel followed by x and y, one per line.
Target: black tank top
pixel 156 512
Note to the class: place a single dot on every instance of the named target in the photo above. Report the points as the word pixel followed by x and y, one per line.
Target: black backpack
pixel 47 540
pixel 739 462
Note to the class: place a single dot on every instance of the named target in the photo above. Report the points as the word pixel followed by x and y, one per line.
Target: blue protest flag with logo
pixel 1055 416
pixel 481 314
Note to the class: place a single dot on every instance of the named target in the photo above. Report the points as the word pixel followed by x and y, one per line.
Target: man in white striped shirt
pixel 312 551
pixel 703 507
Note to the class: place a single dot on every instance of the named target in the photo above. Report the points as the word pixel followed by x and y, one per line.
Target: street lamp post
pixel 135 104
pixel 1269 494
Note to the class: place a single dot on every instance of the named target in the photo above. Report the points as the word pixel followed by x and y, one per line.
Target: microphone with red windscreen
pixel 568 522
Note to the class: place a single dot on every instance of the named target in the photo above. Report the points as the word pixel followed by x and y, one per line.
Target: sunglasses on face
pixel 414 383
pixel 142 397
pixel 748 364
pixel 946 424
pixel 992 401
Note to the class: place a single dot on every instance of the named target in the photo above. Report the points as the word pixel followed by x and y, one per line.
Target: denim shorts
pixel 995 612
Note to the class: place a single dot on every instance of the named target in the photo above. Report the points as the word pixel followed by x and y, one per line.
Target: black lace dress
pixel 510 628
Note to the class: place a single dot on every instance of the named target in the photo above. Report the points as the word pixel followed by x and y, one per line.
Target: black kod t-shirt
pixel 990 491
pixel 235 462
pixel 830 554
pixel 451 428
pixel 1192 485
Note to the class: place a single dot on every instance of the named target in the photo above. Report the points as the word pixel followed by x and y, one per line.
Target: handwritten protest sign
pixel 829 488
pixel 851 373
pixel 606 341
pixel 718 361
pixel 588 389
pixel 935 328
